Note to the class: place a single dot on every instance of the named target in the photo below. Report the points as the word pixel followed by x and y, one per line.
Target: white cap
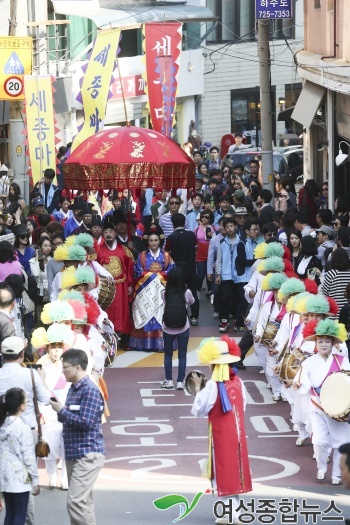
pixel 3 168
pixel 12 345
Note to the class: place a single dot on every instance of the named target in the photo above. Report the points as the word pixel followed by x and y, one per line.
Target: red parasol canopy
pixel 128 157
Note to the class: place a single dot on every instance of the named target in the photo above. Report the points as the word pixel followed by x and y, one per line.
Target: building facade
pixel 324 105
pixel 231 100
pixel 63 34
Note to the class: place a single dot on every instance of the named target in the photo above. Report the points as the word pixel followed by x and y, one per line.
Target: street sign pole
pixel 266 10
pixel 265 104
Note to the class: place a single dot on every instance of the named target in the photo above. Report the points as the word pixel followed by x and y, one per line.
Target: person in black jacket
pixel 50 192
pixel 266 210
pixel 310 265
pixel 181 244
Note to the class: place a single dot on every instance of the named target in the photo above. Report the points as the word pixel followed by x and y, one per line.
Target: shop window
pixel 131 43
pixel 191 35
pixel 246 116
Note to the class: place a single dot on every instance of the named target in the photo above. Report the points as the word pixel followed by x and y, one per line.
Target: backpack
pixel 175 311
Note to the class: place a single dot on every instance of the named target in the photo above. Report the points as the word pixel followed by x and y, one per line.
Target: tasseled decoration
pixel 225 402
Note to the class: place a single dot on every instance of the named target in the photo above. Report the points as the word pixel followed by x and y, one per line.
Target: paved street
pixel 154 447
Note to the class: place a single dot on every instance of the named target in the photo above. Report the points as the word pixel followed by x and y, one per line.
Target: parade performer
pixel 77 219
pixel 55 339
pixel 86 241
pixel 70 256
pixel 289 288
pixel 270 318
pixel 326 432
pixel 223 401
pixel 262 251
pixel 119 261
pixel 151 269
pixel 273 264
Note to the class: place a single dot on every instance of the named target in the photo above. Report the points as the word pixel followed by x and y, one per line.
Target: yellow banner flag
pixel 96 83
pixel 40 120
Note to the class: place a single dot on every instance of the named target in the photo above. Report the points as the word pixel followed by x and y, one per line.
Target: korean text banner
pixel 96 82
pixel 40 120
pixel 162 46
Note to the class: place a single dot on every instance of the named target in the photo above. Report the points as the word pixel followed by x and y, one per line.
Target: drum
pixel 290 366
pixel 269 334
pixel 189 383
pixel 106 292
pixel 110 345
pixel 335 396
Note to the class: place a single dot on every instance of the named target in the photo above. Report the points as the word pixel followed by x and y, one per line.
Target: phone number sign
pixel 273 9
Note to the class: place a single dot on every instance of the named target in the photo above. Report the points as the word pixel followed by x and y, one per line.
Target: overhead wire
pixel 239 39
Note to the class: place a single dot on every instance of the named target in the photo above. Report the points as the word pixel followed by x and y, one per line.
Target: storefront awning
pixel 125 16
pixel 308 103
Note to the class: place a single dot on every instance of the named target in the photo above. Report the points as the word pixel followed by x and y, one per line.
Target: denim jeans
pixel 182 342
pixel 201 274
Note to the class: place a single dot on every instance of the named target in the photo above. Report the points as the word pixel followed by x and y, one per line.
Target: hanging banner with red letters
pixel 162 47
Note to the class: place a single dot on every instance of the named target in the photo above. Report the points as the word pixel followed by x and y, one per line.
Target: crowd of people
pixel 91 270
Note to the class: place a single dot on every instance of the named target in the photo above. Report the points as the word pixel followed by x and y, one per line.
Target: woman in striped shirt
pixel 337 278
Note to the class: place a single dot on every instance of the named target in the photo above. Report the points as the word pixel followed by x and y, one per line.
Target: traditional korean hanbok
pixel 148 306
pixel 272 312
pixel 326 432
pixel 223 401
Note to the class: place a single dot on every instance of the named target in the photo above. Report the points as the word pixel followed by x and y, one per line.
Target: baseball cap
pixel 239 194
pixel 12 345
pixel 38 202
pixel 325 229
pixel 243 210
pixel 199 177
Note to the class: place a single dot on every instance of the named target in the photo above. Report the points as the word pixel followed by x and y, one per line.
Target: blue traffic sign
pixel 14 65
pixel 273 9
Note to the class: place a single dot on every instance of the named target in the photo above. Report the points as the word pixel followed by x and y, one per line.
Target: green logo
pixel 166 502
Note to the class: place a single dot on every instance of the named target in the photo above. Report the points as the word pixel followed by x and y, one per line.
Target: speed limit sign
pixel 13 86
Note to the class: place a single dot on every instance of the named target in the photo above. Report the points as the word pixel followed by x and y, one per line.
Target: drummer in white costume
pixel 272 312
pixel 262 251
pixel 305 307
pixel 75 255
pixel 54 340
pixel 268 265
pixel 326 432
pixel 288 289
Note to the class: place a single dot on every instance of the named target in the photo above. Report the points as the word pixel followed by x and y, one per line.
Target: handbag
pixel 42 449
pixel 28 303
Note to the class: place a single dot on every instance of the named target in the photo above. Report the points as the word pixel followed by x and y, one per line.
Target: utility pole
pixel 265 104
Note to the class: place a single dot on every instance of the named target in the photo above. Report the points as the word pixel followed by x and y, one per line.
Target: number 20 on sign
pixel 13 86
